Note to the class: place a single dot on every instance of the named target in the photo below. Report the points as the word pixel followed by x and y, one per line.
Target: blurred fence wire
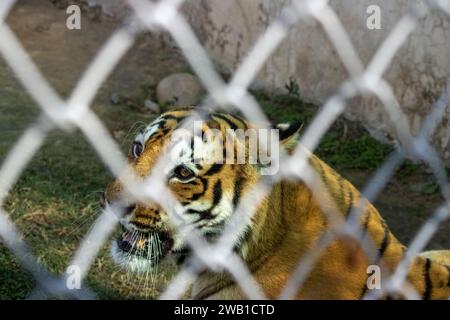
pixel 165 15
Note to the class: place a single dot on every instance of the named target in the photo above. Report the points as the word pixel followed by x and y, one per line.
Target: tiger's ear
pixel 289 134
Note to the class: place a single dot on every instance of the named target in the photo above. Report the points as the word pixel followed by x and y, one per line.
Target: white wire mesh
pixel 75 113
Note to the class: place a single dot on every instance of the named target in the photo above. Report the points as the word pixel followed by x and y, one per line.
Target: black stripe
pixel 158 123
pixel 141 225
pixel 448 281
pixel 226 119
pixel 217 193
pixel 196 196
pixel 193 182
pixel 427 278
pixel 293 128
pixel 181 258
pixel 217 196
pixel 239 181
pixel 161 124
pixel 192 146
pixel 215 168
pixel 155 136
pixel 203 214
pixel 172 117
pixel 193 211
pixel 385 242
pixel 240 120
pixel 364 289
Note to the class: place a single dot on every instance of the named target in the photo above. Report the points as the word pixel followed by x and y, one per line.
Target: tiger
pixel 286 225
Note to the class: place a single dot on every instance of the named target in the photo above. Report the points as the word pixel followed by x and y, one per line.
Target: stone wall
pixel 418 74
pixel 117 8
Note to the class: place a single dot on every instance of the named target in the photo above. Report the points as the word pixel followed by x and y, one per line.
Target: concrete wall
pixel 117 8
pixel 418 74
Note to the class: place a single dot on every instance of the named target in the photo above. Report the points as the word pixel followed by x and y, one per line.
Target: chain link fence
pixel 75 113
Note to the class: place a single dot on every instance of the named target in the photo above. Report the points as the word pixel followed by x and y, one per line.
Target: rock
pixel 115 99
pixel 151 106
pixel 180 89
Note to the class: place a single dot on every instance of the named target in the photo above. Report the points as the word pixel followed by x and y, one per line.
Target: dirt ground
pixel 62 55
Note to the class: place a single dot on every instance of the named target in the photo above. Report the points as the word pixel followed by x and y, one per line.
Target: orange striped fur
pixel 287 224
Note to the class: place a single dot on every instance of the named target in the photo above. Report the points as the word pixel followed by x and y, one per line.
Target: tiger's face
pixel 206 183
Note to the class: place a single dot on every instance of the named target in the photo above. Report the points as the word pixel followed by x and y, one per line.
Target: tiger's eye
pixel 183 172
pixel 136 149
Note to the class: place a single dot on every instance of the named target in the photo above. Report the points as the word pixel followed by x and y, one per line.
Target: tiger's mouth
pixel 149 245
pixel 137 250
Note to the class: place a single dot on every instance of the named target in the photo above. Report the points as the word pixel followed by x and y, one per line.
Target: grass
pixel 54 203
pixel 285 108
pixel 345 145
pixel 362 152
pixel 55 200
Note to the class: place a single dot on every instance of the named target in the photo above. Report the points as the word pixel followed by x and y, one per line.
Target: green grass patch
pixel 55 201
pixel 285 108
pixel 344 146
pixel 362 152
